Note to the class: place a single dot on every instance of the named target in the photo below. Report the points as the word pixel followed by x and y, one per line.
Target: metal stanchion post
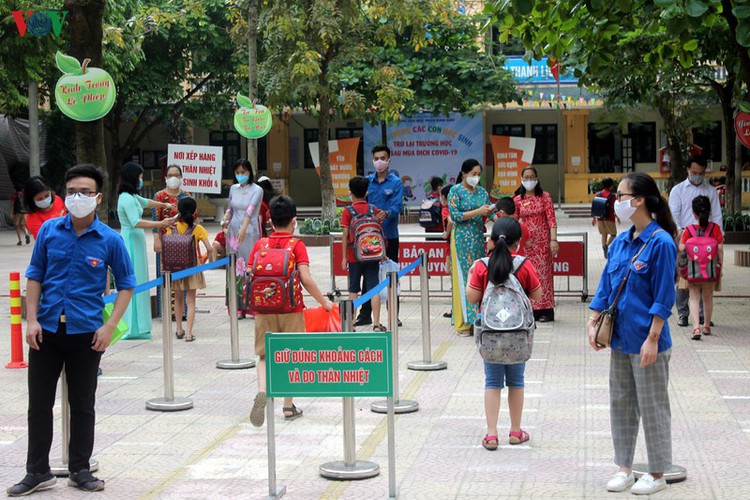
pixel 427 364
pixel 168 402
pixel 274 491
pixel 234 330
pixel 60 469
pixel 400 405
pixel 350 467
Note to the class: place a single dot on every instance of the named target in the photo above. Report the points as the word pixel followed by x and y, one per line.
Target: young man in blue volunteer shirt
pixel 386 192
pixel 64 303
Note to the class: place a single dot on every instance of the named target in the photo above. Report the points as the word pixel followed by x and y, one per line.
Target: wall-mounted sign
pixel 84 94
pixel 742 127
pixel 252 120
pixel 39 23
pixel 536 71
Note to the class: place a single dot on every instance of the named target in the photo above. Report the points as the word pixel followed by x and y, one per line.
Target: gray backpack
pixel 504 332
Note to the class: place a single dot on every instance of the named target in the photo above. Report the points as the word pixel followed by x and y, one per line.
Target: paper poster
pixel 511 155
pixel 342 156
pixel 201 166
pixel 426 145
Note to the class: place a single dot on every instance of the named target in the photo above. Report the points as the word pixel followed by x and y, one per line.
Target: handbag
pixel 605 324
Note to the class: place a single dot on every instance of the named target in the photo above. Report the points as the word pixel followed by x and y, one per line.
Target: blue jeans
pixel 495 374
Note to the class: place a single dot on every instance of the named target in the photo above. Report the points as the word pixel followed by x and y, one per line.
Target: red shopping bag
pixel 319 320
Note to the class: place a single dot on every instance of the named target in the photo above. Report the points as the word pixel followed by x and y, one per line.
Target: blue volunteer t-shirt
pixel 73 272
pixel 388 196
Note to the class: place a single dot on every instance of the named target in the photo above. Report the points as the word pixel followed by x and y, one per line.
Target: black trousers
pixel 391 251
pixel 45 365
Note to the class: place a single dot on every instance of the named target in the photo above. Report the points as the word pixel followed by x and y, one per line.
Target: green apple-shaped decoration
pixel 252 120
pixel 82 93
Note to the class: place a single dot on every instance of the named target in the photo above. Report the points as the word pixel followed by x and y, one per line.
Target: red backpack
pixel 700 261
pixel 274 286
pixel 366 235
pixel 179 251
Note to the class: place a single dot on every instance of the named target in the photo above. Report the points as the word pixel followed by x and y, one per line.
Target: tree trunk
pixel 326 183
pixel 85 18
pixel 725 93
pixel 676 144
pixel 252 70
pixel 737 193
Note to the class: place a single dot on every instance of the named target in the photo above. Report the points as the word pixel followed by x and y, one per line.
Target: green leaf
pixel 243 101
pixel 67 64
pixel 741 11
pixel 696 8
pixel 744 106
pixel 664 4
pixel 524 7
pixel 743 34
pixel 690 45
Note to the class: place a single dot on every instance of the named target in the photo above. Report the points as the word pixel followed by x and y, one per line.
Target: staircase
pixel 582 211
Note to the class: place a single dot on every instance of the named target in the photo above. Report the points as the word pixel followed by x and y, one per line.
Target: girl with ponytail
pixel 503 244
pixel 186 208
pixel 704 290
pixel 643 260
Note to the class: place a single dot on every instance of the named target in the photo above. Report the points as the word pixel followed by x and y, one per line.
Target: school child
pixel 506 207
pixel 504 241
pixel 284 219
pixel 706 236
pixel 606 225
pixel 186 209
pixel 18 215
pixel 358 269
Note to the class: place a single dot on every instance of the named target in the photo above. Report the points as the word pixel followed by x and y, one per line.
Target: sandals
pixel 190 338
pixel 490 442
pixel 696 334
pixel 465 333
pixel 518 437
pixel 294 412
pixel 379 328
pixel 706 330
pixel 258 413
pixel 180 334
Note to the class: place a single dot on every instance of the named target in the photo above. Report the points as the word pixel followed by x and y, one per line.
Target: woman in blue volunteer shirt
pixel 641 344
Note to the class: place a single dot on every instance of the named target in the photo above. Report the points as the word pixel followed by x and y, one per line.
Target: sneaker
pixel 620 482
pixel 258 413
pixel 85 480
pixel 362 321
pixel 28 240
pixel 683 321
pixel 647 485
pixel 31 483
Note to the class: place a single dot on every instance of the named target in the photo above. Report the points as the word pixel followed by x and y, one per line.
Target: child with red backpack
pixel 363 243
pixel 180 253
pixel 279 268
pixel 701 254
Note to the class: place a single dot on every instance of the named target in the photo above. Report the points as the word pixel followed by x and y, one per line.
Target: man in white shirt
pixel 681 205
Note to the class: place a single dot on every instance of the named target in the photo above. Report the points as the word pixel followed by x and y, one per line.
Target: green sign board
pixel 84 94
pixel 329 365
pixel 252 120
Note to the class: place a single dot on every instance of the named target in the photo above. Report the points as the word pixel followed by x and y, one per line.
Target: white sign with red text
pixel 201 166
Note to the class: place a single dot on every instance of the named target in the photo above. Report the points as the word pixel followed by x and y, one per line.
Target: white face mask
pixel 472 180
pixel 174 182
pixel 45 203
pixel 80 206
pixel 624 210
pixel 529 185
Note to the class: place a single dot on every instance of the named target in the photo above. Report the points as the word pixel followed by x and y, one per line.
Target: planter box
pixel 734 237
pixel 314 240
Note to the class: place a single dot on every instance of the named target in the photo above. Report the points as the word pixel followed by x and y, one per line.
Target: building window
pixel 605 148
pixel 310 135
pixel 510 130
pixel 644 141
pixel 545 151
pixel 230 143
pixel 348 133
pixel 709 138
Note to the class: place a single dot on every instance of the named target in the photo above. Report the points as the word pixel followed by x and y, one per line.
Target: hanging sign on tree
pixel 742 127
pixel 252 120
pixel 84 94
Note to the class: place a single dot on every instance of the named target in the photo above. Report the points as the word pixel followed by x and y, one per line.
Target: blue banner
pixel 424 145
pixel 536 72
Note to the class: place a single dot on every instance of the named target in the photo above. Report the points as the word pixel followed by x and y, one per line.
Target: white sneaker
pixel 647 485
pixel 620 482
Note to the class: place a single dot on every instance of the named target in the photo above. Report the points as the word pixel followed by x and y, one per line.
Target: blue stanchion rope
pixel 180 274
pixel 371 293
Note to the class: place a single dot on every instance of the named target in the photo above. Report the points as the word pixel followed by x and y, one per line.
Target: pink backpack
pixel 700 261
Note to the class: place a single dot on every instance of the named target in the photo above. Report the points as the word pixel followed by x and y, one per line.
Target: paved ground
pixel 212 451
